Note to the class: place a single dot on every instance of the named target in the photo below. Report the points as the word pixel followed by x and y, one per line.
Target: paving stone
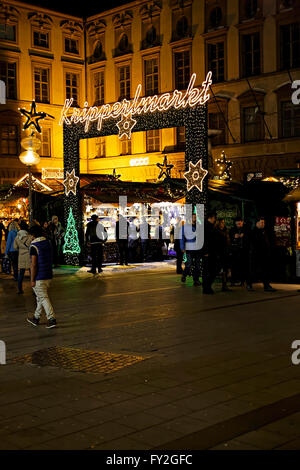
pixel 263 439
pixel 140 420
pixel 31 437
pixel 125 443
pixel 63 426
pixel 108 432
pixel 234 445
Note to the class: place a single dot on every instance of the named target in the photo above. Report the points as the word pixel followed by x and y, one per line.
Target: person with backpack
pixel 22 244
pixel 41 274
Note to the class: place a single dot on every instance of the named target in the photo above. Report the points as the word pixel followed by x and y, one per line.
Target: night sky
pixel 80 8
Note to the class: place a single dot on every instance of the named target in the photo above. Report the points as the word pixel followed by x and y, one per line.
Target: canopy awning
pixel 293 196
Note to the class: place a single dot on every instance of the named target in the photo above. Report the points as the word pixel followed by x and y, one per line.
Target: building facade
pixel 251 46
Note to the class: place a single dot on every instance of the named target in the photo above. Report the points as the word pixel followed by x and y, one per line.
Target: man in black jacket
pixel 259 256
pixel 96 236
pixel 122 227
pixel 239 247
pixel 209 253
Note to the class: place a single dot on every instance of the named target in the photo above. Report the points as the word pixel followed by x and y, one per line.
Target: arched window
pixel 98 50
pixel 151 35
pixel 124 43
pixel 182 27
pixel 216 17
pixel 250 8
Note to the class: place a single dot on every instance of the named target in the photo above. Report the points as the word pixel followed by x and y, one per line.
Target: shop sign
pixel 139 105
pixel 139 161
pixel 52 173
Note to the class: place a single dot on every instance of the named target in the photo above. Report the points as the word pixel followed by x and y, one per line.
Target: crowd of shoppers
pixel 240 254
pixel 34 249
pixel 243 252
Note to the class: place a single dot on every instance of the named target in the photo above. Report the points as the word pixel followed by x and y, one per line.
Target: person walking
pixel 193 256
pixel 58 233
pixel 144 231
pixel 96 236
pixel 22 244
pixel 121 236
pixel 178 227
pixel 223 244
pixel 239 251
pixel 259 256
pixel 10 251
pixel 209 254
pixel 2 237
pixel 41 274
pixel 46 228
pixel 132 240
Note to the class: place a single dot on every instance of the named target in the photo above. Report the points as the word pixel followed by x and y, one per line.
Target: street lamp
pixel 30 158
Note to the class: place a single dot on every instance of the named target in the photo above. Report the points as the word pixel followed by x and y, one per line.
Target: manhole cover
pixel 80 360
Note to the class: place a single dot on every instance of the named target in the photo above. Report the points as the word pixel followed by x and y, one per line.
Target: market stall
pixel 152 202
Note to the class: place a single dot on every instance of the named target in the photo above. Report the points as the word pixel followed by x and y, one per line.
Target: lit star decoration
pixel 114 175
pixel 33 117
pixel 165 168
pixel 226 165
pixel 70 183
pixel 195 175
pixel 126 125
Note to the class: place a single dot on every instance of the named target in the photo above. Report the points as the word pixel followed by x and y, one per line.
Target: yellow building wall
pixel 269 80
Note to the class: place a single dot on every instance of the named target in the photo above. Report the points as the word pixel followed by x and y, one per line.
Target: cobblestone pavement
pixel 210 372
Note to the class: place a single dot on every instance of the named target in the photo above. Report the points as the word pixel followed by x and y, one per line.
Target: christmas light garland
pixel 194 119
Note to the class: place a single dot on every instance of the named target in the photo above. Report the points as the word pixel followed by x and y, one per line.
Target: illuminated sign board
pixel 177 100
pixel 139 161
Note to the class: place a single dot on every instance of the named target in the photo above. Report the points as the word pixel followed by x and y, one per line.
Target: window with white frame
pixel 71 45
pixel 153 140
pixel 125 144
pixel 100 147
pixel 41 39
pixel 72 87
pixel 151 76
pixel 98 83
pixel 8 73
pixel 42 84
pixel 7 32
pixel 124 81
pixel 182 69
pixel 9 140
pixel 45 150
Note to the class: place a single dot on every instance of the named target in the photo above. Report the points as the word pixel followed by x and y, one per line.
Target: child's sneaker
pixel 34 321
pixel 51 323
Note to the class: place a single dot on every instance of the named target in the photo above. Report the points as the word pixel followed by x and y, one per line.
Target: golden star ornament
pixel 70 183
pixel 165 168
pixel 195 175
pixel 33 117
pixel 126 125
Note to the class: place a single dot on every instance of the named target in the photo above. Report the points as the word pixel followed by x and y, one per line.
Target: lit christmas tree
pixel 71 238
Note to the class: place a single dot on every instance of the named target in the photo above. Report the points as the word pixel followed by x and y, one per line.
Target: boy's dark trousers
pixel 123 251
pixel 97 256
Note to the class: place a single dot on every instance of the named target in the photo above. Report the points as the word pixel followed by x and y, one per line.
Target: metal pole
pixel 30 196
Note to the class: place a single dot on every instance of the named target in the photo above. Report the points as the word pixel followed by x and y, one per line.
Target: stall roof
pixel 293 196
pixel 169 190
pixel 11 193
pixel 85 179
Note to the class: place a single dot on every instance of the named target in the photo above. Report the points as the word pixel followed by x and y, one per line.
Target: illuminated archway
pixel 194 119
